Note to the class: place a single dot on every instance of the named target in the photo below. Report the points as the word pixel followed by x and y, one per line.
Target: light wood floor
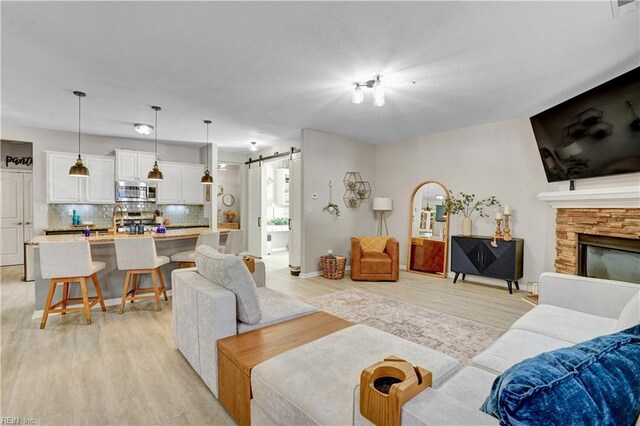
pixel 124 369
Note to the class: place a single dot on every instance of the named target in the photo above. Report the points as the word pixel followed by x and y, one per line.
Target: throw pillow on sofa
pixel 230 272
pixel 596 382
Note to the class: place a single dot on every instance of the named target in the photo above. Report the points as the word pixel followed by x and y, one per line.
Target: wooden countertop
pixel 102 238
pixel 99 227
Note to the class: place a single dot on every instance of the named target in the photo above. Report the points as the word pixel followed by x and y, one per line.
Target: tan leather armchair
pixel 375 266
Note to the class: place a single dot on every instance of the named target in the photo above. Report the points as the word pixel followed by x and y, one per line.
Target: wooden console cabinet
pixel 475 256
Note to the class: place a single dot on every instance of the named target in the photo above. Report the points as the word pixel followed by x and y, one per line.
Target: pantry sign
pixel 16 155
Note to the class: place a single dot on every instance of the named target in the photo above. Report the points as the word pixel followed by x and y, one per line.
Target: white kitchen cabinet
pixel 99 188
pixel 145 164
pixel 192 189
pixel 181 184
pixel 62 188
pixel 133 165
pixel 170 188
pixel 126 165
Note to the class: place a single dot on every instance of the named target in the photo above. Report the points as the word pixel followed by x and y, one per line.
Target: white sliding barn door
pixel 295 210
pixel 257 227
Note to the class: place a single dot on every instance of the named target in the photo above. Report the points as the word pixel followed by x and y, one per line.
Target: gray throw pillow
pixel 230 272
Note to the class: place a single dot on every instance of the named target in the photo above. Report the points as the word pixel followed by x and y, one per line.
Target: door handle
pixel 289 224
pixel 19 223
pixel 259 221
pixel 28 223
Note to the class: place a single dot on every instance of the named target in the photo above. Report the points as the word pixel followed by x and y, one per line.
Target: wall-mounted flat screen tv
pixel 593 134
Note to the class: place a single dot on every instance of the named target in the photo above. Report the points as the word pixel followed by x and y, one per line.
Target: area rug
pixel 458 337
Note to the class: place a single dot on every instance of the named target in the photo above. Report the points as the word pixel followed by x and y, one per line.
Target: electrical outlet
pixel 187 211
pixel 70 213
pixel 314 196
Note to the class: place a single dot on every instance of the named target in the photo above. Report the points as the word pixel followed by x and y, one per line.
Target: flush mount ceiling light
pixel 378 91
pixel 79 169
pixel 254 146
pixel 207 179
pixel 143 129
pixel 155 173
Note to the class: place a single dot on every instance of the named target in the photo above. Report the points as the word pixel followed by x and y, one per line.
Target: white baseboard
pixel 311 274
pixel 319 273
pixel 107 302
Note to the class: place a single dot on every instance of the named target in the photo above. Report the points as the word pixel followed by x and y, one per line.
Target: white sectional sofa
pixel 307 385
pixel 204 312
pixel 317 383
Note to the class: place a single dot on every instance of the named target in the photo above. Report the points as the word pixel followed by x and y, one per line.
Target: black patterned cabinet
pixel 475 256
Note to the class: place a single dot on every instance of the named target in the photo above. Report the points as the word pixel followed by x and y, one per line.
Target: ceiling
pixel 264 70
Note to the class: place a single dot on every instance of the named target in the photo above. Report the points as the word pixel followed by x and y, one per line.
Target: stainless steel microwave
pixel 135 191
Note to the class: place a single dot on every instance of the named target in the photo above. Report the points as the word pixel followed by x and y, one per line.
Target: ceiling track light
pixel 378 91
pixel 143 129
pixel 207 179
pixel 254 146
pixel 79 169
pixel 155 173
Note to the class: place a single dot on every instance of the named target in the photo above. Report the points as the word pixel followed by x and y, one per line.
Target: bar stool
pixel 65 263
pixel 138 256
pixel 185 258
pixel 235 241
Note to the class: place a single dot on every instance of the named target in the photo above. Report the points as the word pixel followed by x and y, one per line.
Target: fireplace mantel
pixel 613 197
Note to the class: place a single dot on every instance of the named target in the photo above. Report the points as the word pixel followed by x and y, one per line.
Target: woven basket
pixel 333 269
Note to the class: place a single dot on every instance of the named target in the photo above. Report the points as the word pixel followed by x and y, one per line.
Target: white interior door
pixel 11 219
pixel 295 210
pixel 27 202
pixel 256 229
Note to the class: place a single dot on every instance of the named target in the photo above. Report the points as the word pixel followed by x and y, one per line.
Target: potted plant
pixel 333 209
pixel 467 205
pixel 230 215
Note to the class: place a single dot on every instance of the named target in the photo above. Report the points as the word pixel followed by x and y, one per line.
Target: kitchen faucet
pixel 113 217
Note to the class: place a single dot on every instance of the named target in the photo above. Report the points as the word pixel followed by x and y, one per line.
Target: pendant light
pixel 79 169
pixel 207 179
pixel 155 173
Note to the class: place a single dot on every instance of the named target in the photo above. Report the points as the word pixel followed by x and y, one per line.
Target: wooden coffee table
pixel 237 355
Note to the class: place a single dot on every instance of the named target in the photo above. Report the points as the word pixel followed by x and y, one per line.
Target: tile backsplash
pixel 100 214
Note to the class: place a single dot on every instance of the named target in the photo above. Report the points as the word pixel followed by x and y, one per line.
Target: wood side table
pixel 237 355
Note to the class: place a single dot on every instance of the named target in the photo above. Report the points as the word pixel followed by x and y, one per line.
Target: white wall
pixel 54 140
pixel 498 159
pixel 328 157
pixel 230 181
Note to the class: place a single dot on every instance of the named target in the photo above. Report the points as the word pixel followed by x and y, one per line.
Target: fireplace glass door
pixel 609 258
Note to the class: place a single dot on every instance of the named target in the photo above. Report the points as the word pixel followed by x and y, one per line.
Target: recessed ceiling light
pixel 143 129
pixel 254 146
pixel 222 166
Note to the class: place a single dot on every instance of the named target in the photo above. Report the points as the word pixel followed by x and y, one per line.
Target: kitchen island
pixel 103 250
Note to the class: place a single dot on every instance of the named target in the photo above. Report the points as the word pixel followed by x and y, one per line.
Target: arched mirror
pixel 428 230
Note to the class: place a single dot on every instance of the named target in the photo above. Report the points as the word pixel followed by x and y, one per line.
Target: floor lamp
pixel 382 205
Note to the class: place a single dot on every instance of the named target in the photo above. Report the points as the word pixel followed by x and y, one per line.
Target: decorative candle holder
pixel 507 230
pixel 498 233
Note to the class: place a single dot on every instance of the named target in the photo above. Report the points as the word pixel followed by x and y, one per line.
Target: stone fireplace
pixel 600 242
